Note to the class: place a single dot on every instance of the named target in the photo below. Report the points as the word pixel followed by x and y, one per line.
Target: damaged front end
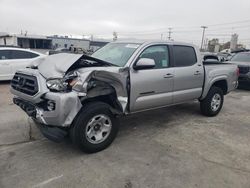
pixel 103 84
pixel 64 83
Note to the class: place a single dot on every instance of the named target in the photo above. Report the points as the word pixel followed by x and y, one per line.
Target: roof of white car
pixel 20 49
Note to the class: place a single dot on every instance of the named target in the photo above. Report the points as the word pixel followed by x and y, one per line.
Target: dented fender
pixel 115 77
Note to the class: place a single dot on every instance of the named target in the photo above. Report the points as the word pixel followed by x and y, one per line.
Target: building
pixel 4 38
pixel 95 45
pixel 66 42
pixel 213 45
pixel 26 41
pixel 45 43
pixel 234 41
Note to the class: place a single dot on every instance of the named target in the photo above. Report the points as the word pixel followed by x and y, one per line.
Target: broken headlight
pixel 62 84
pixel 57 84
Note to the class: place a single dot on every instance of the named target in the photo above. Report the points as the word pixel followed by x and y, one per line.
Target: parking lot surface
pixel 171 147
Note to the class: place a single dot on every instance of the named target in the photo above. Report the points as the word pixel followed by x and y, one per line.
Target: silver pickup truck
pixel 83 96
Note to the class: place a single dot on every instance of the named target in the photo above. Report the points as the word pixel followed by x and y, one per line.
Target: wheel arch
pixel 103 92
pixel 220 82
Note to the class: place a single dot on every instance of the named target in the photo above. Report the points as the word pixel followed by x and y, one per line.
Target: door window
pixel 18 54
pixel 159 53
pixel 5 54
pixel 184 56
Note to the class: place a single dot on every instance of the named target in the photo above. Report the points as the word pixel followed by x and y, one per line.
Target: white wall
pixel 9 41
pixel 76 43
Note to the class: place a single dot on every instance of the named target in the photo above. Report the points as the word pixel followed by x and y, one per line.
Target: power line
pixel 228 23
pixel 165 29
pixel 208 34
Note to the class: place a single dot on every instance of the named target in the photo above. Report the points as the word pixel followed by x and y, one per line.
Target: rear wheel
pixel 95 127
pixel 212 104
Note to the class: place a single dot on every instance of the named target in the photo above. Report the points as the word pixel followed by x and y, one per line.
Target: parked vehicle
pixel 67 50
pixel 82 96
pixel 214 58
pixel 211 58
pixel 242 59
pixel 224 56
pixel 12 59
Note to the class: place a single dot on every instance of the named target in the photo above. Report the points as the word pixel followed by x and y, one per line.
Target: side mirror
pixel 144 63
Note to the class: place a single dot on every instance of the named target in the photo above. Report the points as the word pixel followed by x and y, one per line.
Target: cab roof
pixel 145 42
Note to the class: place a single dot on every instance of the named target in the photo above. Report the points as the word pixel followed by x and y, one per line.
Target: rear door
pixel 151 88
pixel 189 74
pixel 5 67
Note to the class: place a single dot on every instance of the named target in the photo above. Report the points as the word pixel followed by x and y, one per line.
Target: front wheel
pixel 212 104
pixel 95 127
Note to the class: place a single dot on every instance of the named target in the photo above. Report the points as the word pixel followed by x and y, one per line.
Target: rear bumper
pixel 244 77
pixel 236 85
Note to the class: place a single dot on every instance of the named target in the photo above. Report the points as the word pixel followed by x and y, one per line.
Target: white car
pixel 12 59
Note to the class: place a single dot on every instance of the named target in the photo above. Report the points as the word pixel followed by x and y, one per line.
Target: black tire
pixel 78 130
pixel 206 104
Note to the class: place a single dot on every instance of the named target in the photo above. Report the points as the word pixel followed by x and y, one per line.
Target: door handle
pixel 197 73
pixel 169 75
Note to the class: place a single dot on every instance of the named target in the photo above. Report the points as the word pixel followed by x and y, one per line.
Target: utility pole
pixel 206 44
pixel 203 34
pixel 169 33
pixel 115 36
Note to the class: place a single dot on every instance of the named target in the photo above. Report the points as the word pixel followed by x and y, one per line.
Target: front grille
pixel 25 83
pixel 244 70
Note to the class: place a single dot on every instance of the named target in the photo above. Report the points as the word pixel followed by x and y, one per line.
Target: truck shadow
pixel 152 121
pixel 244 87
pixel 161 118
pixel 4 82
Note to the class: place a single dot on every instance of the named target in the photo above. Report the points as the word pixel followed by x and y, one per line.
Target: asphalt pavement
pixel 171 147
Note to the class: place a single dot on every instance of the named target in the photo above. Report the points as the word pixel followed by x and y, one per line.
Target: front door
pixel 151 88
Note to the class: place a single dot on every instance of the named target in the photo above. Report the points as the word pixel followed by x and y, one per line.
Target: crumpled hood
pixel 55 66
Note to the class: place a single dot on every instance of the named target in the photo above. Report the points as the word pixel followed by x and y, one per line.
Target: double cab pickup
pixel 83 96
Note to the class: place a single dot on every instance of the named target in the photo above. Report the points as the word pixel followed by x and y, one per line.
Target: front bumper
pixel 67 105
pixel 54 134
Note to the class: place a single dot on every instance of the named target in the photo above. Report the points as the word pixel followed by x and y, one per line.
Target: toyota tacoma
pixel 83 96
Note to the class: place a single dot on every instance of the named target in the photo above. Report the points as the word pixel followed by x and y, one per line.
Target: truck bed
pixel 220 71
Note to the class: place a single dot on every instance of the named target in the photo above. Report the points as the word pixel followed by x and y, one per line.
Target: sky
pixel 130 19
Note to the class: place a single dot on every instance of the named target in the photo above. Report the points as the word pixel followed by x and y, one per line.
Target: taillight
pixel 238 71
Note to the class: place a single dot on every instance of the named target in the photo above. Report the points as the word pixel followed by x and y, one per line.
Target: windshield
pixel 242 57
pixel 116 53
